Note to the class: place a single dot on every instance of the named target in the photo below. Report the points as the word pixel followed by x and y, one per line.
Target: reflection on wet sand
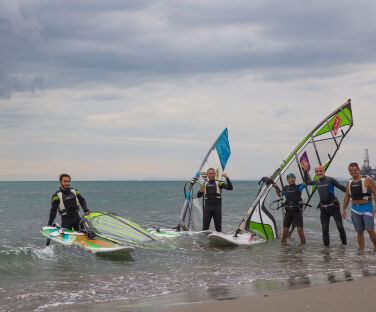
pixel 333 278
pixel 298 265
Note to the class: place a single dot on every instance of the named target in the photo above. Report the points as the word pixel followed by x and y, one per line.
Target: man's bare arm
pixel 346 200
pixel 371 185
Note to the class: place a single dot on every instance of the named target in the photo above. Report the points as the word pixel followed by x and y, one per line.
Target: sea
pixel 178 271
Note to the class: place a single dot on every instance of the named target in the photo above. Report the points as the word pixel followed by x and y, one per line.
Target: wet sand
pixel 348 296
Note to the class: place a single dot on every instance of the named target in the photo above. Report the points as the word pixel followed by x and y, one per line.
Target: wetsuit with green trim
pixel 68 209
pixel 213 203
pixel 329 205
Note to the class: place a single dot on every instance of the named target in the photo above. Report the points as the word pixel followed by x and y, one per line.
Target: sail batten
pixel 113 227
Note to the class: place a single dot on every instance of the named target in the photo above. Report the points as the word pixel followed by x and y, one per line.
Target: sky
pixel 122 90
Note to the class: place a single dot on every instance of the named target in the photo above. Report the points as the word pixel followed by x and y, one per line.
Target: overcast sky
pixel 138 89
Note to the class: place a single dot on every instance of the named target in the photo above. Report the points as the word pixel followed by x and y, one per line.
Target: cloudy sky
pixel 139 89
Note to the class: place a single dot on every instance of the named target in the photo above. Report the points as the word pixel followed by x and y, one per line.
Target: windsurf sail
pixel 318 147
pixel 216 158
pixel 118 229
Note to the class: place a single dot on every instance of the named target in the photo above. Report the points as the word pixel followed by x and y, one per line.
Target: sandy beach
pixel 358 295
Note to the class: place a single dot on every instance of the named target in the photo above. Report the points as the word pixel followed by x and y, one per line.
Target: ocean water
pixel 189 269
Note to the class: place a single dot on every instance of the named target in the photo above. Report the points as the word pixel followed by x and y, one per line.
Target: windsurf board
pixel 70 237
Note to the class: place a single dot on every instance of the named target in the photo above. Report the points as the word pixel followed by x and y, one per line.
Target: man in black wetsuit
pixel 212 191
pixel 66 200
pixel 293 207
pixel 329 204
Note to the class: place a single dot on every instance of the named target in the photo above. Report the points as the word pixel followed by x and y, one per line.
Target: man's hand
pixel 343 214
pixel 224 175
pixel 202 189
pixel 304 165
pixel 87 212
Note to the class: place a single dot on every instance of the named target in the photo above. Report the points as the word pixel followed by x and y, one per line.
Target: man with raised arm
pixel 212 192
pixel 66 201
pixel 329 204
pixel 360 190
pixel 293 207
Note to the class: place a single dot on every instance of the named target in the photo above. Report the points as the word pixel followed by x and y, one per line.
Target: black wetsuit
pixel 70 218
pixel 213 203
pixel 293 205
pixel 329 205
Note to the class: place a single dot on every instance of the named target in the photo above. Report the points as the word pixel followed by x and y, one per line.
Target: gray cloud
pixel 19 83
pixel 147 85
pixel 70 42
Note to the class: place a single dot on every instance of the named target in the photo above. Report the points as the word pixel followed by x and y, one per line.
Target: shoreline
pixel 351 295
pixel 334 292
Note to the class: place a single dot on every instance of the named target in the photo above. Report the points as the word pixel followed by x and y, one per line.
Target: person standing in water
pixel 329 204
pixel 212 192
pixel 293 206
pixel 66 201
pixel 360 190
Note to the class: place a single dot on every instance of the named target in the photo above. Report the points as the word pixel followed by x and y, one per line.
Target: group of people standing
pixel 359 190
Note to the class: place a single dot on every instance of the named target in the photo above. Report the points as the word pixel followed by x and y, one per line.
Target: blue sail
pixel 223 148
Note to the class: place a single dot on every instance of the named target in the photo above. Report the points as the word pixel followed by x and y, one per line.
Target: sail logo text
pixel 336 124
